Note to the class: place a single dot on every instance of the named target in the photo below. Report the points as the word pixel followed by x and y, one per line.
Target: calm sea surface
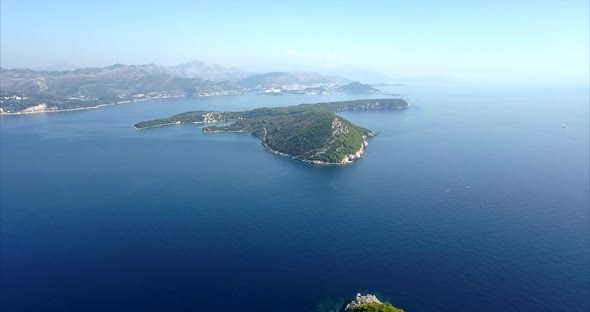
pixel 470 200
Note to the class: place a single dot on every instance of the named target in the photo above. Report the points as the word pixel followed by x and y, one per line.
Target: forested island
pixel 313 133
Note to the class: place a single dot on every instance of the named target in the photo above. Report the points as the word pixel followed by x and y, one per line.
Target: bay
pixel 473 199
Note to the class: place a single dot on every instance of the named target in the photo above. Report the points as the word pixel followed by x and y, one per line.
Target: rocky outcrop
pixel 348 159
pixel 360 299
pixel 338 127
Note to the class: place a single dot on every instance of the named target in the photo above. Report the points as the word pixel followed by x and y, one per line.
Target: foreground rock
pixel 359 300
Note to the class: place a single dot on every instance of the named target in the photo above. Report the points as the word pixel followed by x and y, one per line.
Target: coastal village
pixel 12 103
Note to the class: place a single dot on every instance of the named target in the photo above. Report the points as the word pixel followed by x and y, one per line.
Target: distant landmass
pixel 380 85
pixel 357 87
pixel 202 70
pixel 30 91
pixel 313 133
pixel 275 79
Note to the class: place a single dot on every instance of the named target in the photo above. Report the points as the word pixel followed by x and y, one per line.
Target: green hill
pixel 309 132
pixel 357 87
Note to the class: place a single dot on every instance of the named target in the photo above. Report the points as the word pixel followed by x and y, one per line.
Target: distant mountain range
pixel 289 78
pixel 87 87
pixel 202 70
pixel 113 81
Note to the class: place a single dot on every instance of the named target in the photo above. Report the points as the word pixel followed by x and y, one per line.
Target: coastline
pixel 77 108
pixel 182 123
pixel 347 160
pixel 150 127
pixel 225 131
pixel 103 105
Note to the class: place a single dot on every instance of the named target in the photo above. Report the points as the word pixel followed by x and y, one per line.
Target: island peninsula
pixel 312 133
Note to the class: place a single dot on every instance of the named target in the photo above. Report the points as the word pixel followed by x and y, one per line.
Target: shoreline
pixel 182 123
pixel 150 127
pixel 103 105
pixel 98 106
pixel 77 108
pixel 347 160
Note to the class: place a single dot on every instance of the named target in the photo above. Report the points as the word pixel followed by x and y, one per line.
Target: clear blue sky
pixel 469 40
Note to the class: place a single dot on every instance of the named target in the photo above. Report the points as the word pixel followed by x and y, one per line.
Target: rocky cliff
pixel 359 300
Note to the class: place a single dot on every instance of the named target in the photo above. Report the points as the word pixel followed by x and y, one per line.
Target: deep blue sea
pixel 473 199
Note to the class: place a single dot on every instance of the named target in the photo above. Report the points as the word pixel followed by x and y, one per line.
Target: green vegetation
pixel 308 132
pixel 377 307
pixel 188 117
pixel 14 102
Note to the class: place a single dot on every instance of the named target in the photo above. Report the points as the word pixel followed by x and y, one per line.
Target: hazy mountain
pixel 357 87
pixel 113 81
pixel 364 75
pixel 213 72
pixel 124 80
pixel 60 82
pixel 56 67
pixel 93 86
pixel 288 78
pixel 351 72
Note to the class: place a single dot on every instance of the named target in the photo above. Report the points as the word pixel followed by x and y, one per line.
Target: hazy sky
pixel 468 40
